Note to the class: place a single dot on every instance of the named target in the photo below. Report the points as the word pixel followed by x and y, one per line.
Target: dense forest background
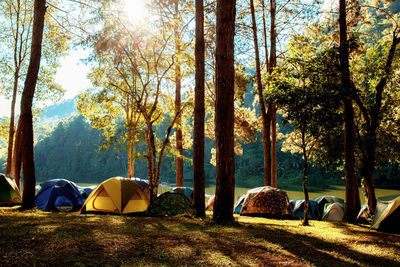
pixel 68 147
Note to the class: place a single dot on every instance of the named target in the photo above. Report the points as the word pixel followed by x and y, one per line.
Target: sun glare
pixel 135 10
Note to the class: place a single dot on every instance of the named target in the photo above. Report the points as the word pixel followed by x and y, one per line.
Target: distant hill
pixel 54 113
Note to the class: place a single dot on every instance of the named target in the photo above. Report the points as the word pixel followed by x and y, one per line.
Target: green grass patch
pixel 58 239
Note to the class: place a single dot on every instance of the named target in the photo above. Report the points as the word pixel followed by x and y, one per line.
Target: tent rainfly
pixel 117 195
pixel 387 214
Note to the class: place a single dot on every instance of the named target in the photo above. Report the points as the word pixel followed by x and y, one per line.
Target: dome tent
pixel 387 214
pixel 268 202
pixel 333 212
pixel 170 204
pixel 322 200
pixel 237 207
pixel 313 211
pixel 58 195
pixel 117 195
pixel 9 192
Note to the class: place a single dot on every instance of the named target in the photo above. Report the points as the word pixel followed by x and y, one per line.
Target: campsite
pixel 69 239
pixel 199 133
pixel 169 234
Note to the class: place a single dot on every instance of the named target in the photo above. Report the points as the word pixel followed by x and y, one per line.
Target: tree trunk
pixel 199 115
pixel 151 158
pixel 367 172
pixel 352 194
pixel 26 105
pixel 17 64
pixel 178 135
pixel 266 146
pixel 267 136
pixel 274 163
pixel 130 171
pixel 12 124
pixel 373 118
pixel 224 112
pixel 272 62
pixel 17 156
pixel 305 171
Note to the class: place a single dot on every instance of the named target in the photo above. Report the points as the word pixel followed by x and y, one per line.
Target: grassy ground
pixel 32 238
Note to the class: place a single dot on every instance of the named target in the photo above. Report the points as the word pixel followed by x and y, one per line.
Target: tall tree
pixel 271 107
pixel 266 122
pixel 178 85
pixel 26 105
pixel 352 193
pixel 16 23
pixel 224 111
pixel 199 114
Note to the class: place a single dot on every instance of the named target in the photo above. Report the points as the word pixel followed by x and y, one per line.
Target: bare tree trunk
pixel 17 156
pixel 17 64
pixel 151 157
pixel 264 118
pixel 199 115
pixel 26 105
pixel 179 157
pixel 267 136
pixel 305 171
pixel 12 124
pixel 352 193
pixel 272 62
pixel 274 164
pixel 130 171
pixel 224 112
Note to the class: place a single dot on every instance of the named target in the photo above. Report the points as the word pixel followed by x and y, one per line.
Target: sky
pixel 71 75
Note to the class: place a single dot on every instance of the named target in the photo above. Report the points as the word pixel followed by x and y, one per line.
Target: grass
pixel 29 238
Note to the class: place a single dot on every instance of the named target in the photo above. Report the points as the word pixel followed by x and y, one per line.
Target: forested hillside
pixel 71 150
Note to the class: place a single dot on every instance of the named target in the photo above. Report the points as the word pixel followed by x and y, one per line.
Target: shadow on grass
pixel 316 250
pixel 70 239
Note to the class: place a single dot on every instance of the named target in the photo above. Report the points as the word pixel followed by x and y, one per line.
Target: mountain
pixel 51 115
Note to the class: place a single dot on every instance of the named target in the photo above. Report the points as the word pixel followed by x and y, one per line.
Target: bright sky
pixel 72 73
pixel 71 76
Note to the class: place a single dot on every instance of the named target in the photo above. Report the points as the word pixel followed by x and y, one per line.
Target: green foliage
pixel 15 23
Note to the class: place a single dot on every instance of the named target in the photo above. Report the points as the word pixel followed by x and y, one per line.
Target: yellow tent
pixel 117 195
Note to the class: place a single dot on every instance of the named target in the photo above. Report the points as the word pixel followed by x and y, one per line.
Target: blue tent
pixel 85 191
pixel 313 211
pixel 237 208
pixel 142 182
pixel 58 195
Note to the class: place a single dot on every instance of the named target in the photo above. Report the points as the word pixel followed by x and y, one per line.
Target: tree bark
pixel 12 124
pixel 17 64
pixel 178 135
pixel 26 105
pixel 274 163
pixel 224 112
pixel 272 62
pixel 17 156
pixel 199 115
pixel 305 171
pixel 352 193
pixel 267 136
pixel 264 118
